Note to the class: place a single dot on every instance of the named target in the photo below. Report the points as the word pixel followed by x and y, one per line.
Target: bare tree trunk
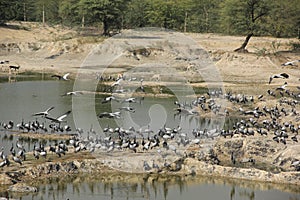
pixel 82 22
pixel 105 27
pixel 43 15
pixel 243 47
pixel 206 19
pixel 24 11
pixel 185 21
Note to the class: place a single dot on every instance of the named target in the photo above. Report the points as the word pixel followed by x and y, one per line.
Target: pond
pixel 20 99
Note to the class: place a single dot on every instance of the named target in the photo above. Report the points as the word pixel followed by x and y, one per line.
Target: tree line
pixel 235 17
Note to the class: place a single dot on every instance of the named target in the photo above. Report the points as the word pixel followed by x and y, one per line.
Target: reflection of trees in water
pixel 136 186
pixel 91 187
pixel 180 184
pixel 165 189
pixel 242 193
pixel 246 193
pixel 293 198
pixel 142 187
pixel 232 192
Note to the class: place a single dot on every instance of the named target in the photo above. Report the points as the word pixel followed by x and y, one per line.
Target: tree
pixel 27 11
pixel 283 19
pixel 108 12
pixel 186 7
pixel 135 14
pixel 169 14
pixel 8 10
pixel 47 10
pixel 157 13
pixel 70 12
pixel 205 15
pixel 240 16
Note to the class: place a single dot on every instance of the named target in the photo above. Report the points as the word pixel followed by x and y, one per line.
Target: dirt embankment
pixel 43 48
pixel 33 171
pixel 56 49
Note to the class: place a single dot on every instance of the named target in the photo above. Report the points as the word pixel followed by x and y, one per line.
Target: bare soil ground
pixel 59 50
pixel 244 71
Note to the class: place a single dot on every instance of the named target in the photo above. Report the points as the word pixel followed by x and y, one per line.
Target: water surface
pixel 161 187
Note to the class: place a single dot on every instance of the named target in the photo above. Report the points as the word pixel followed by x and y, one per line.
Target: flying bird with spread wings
pixel 59 119
pixel 43 113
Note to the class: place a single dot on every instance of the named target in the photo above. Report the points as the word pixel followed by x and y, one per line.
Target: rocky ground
pixel 59 50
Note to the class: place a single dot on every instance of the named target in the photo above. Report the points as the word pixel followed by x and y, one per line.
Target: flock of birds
pixel 265 121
